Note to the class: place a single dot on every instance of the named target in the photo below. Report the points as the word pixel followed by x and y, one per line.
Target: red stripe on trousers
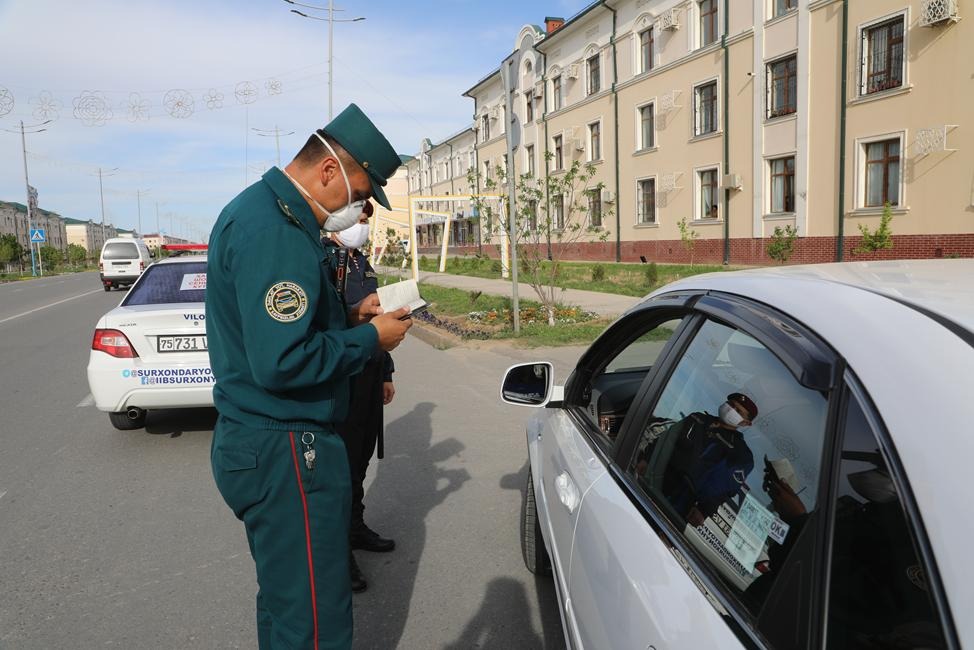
pixel 307 536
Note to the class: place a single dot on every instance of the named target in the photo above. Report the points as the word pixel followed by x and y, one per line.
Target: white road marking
pixel 2 493
pixel 80 295
pixel 88 401
pixel 16 290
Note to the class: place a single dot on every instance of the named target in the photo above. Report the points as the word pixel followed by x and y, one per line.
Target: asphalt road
pixel 112 538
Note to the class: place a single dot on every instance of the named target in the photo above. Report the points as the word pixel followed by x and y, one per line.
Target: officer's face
pixel 334 191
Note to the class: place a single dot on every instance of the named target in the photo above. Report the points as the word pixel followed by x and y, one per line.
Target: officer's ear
pixel 327 169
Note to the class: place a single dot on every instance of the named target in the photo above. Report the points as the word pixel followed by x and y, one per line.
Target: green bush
pixel 495 266
pixel 598 273
pixel 651 274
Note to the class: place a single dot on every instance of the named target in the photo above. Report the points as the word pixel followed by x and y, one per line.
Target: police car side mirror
pixel 528 384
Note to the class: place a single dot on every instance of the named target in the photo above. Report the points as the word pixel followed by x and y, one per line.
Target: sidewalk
pixel 604 304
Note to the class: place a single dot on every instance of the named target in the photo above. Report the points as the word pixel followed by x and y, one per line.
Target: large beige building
pixel 13 221
pixel 740 116
pixel 89 235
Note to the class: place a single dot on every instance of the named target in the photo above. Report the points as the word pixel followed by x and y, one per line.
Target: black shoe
pixel 366 539
pixel 359 584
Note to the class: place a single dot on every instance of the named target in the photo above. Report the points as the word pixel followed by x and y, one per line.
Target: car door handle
pixel 567 491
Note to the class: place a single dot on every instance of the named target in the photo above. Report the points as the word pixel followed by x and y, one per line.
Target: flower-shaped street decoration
pixel 245 92
pixel 45 106
pixel 213 99
pixel 6 101
pixel 178 103
pixel 92 108
pixel 274 87
pixel 138 108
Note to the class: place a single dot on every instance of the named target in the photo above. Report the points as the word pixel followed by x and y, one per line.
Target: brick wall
pixel 808 250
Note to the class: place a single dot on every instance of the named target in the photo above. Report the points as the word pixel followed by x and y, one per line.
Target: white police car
pixel 772 458
pixel 150 351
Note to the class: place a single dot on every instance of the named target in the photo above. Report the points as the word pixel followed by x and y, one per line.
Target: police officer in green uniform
pixel 282 347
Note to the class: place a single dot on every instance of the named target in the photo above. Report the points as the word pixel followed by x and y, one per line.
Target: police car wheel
pixel 123 422
pixel 532 543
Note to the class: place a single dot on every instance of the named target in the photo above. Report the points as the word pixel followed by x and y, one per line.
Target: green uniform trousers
pixel 297 527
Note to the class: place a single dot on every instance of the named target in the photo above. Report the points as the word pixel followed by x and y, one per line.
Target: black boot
pixel 366 539
pixel 359 583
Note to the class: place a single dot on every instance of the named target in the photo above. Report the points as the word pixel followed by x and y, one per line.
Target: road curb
pixel 434 336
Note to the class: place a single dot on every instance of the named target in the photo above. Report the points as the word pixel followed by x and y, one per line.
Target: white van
pixel 122 261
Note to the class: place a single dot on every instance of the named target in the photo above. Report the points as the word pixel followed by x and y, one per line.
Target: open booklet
pixel 402 294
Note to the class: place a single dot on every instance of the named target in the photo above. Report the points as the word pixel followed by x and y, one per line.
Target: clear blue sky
pixel 406 65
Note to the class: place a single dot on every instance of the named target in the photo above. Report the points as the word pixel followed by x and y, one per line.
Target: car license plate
pixel 181 343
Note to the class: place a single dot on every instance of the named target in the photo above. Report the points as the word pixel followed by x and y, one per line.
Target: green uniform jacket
pixel 279 346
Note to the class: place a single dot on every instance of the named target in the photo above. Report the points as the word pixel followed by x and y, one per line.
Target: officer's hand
pixel 388 391
pixel 364 310
pixel 391 329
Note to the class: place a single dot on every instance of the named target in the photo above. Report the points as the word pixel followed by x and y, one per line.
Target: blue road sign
pixel 37 236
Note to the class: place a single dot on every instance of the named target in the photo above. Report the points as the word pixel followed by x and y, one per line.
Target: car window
pixel 609 394
pixel 878 595
pixel 169 283
pixel 120 251
pixel 731 455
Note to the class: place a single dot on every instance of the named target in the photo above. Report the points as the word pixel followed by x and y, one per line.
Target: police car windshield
pixel 169 283
pixel 120 251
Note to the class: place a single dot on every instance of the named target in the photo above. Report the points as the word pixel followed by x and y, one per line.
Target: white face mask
pixel 355 235
pixel 729 415
pixel 343 217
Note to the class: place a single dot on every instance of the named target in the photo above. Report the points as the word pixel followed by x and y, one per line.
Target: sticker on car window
pixel 193 282
pixel 749 532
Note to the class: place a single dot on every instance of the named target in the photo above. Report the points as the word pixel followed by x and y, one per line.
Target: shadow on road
pixel 176 422
pixel 408 484
pixel 504 614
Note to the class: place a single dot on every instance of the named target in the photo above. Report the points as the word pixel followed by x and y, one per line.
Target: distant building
pixel 89 235
pixel 13 221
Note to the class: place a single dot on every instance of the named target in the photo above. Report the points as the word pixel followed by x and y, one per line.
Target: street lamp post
pixel 23 130
pixel 277 133
pixel 101 195
pixel 331 20
pixel 138 199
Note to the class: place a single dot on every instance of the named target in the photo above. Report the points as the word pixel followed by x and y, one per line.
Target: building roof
pixel 20 207
pixel 568 23
pixel 495 73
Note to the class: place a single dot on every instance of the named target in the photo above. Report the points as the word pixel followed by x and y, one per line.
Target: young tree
pixel 52 257
pixel 10 250
pixel 879 239
pixel 77 254
pixel 551 214
pixel 782 243
pixel 689 237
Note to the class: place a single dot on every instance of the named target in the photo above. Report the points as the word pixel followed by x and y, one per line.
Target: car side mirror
pixel 528 384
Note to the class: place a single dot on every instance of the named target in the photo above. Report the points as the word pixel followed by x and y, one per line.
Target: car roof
pixel 886 319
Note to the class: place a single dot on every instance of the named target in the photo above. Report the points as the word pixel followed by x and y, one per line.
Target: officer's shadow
pixel 408 484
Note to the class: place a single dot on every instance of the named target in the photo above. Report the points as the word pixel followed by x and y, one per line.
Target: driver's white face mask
pixel 729 415
pixel 343 217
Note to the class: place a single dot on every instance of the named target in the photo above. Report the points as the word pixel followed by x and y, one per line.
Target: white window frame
pixel 639 67
pixel 640 145
pixel 698 188
pixel 639 198
pixel 860 180
pixel 588 137
pixel 555 204
pixel 529 167
pixel 768 183
pixel 695 122
pixel 696 32
pixel 768 86
pixel 557 97
pixel 861 30
pixel 596 195
pixel 770 14
pixel 559 164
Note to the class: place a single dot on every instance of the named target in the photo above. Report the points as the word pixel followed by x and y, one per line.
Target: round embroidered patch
pixel 286 302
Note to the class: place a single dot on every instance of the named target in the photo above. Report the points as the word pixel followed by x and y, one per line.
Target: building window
pixel 708 207
pixel 594 75
pixel 708 21
pixel 882 56
pixel 531 216
pixel 595 208
pixel 781 7
pixel 882 173
pixel 559 154
pixel 558 212
pixel 487 170
pixel 556 92
pixel 647 127
pixel 646 50
pixel 529 155
pixel 646 201
pixel 484 128
pixel 595 140
pixel 528 107
pixel 783 184
pixel 705 105
pixel 783 87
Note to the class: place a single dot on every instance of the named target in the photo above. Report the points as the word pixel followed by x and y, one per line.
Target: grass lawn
pixel 606 277
pixel 473 315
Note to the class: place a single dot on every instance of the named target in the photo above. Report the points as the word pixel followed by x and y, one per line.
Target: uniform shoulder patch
pixel 286 302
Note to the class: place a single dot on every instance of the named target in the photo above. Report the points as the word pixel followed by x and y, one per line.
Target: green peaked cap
pixel 366 144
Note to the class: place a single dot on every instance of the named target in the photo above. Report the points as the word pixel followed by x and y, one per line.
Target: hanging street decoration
pixel 92 108
pixel 138 108
pixel 6 101
pixel 45 106
pixel 213 99
pixel 245 92
pixel 179 103
pixel 273 86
